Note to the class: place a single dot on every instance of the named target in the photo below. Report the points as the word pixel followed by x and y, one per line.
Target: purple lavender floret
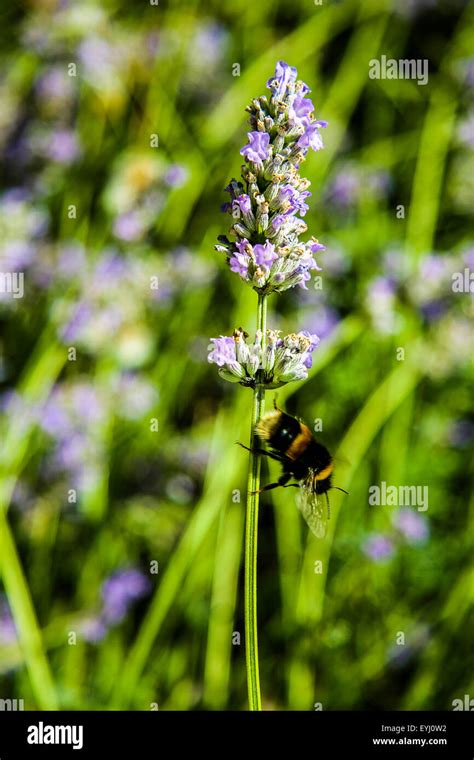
pixel 257 148
pixel 311 137
pixel 264 254
pixel 301 110
pixel 223 351
pixel 284 75
pixel 239 263
pixel 243 203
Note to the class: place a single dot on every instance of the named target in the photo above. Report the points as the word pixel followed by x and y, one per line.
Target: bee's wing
pixel 312 508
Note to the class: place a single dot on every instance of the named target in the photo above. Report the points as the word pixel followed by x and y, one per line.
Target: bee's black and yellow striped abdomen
pixel 300 453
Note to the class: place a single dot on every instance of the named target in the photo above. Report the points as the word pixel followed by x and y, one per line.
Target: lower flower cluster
pixel 280 361
pixel 269 269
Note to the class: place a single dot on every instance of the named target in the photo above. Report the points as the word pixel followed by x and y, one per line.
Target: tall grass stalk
pixel 251 534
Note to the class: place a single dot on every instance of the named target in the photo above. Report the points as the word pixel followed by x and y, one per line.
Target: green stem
pixel 251 534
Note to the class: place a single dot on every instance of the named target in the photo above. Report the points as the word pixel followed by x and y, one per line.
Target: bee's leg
pixel 327 504
pixel 281 482
pixel 262 451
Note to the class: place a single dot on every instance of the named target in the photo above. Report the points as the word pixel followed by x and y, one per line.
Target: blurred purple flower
pixel 208 44
pixel 461 434
pixel 16 255
pixel 110 267
pixel 469 72
pixel 433 310
pixel 129 226
pixel 93 630
pixel 71 453
pixel 14 196
pixel 7 625
pixel 378 547
pixel 344 188
pixel 120 591
pixel 86 403
pixel 188 269
pixel 54 84
pixel 137 395
pixel 466 130
pixel 322 318
pixel 351 182
pixel 71 259
pixel 381 290
pixel 176 176
pixel 432 267
pixel 62 146
pixel 398 655
pixel 79 319
pixel 413 526
pixel 54 418
pixel 96 54
pixel 468 258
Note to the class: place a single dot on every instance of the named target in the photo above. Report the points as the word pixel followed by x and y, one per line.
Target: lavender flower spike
pixel 267 206
pixel 264 249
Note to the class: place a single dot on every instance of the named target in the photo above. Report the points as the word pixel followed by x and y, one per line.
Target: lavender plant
pixel 266 252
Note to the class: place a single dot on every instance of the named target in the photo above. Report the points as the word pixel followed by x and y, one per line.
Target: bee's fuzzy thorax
pixel 267 424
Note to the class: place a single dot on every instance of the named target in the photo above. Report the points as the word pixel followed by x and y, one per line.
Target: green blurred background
pixel 121 529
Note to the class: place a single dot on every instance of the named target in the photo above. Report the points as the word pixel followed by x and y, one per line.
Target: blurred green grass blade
pixel 41 372
pixel 383 402
pixel 351 79
pixel 426 192
pixel 436 136
pixel 225 467
pixel 396 437
pixel 16 587
pixel 34 387
pixel 456 613
pixel 289 548
pixel 222 611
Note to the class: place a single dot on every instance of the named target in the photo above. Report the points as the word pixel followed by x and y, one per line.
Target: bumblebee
pixel 292 443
